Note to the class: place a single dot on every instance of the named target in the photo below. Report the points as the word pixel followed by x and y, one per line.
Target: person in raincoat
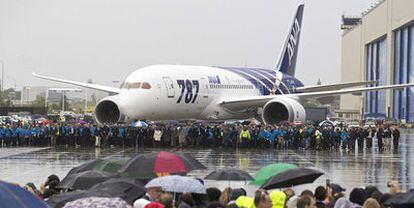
pixel 278 199
pixel 245 202
pixel 181 137
pixel 245 137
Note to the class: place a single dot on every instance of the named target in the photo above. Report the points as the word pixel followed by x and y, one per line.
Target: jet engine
pixel 107 111
pixel 283 109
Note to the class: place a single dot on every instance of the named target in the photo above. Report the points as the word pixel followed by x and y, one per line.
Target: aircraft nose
pixel 129 104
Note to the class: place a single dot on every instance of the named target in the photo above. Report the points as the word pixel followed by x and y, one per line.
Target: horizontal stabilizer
pixel 318 88
pixel 251 102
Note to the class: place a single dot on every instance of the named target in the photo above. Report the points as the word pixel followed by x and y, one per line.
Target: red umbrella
pixel 45 122
pixel 169 163
pixel 151 165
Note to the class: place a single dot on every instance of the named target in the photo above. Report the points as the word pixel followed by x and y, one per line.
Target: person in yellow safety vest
pixel 245 202
pixel 244 136
pixel 318 137
pixel 278 199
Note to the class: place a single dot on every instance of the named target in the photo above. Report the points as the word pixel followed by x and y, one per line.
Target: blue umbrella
pixel 139 124
pixel 14 196
pixel 177 184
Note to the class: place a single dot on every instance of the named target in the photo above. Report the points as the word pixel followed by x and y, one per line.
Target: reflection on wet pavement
pixel 350 169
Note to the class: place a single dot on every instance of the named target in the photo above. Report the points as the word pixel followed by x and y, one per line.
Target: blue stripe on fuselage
pixel 264 75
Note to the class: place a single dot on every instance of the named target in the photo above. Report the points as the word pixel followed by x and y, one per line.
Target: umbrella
pixel 326 123
pixel 110 166
pixel 309 122
pixel 89 165
pixel 269 171
pixel 59 200
pixel 126 188
pixel 229 175
pixel 177 184
pixel 12 195
pixel 151 165
pixel 401 200
pixel 190 162
pixel 139 124
pixel 292 177
pixel 81 122
pixel 83 180
pixel 98 202
pixel 284 123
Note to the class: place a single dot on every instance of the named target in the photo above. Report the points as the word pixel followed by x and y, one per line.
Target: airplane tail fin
pixel 287 60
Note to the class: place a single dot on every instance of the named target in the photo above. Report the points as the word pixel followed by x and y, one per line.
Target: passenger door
pixel 169 85
pixel 204 87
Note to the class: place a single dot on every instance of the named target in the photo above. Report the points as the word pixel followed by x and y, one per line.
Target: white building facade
pixel 380 47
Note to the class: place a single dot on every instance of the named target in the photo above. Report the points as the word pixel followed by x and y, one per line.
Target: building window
pixel 403 100
pixel 376 69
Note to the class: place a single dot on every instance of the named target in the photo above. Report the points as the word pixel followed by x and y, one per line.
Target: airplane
pixel 182 92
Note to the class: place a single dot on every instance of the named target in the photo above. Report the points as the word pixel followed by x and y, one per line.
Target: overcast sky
pixel 107 39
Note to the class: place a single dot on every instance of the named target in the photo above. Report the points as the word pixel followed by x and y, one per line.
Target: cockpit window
pixel 134 85
pixel 145 85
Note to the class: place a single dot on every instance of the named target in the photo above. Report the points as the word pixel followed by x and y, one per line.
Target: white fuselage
pixel 183 92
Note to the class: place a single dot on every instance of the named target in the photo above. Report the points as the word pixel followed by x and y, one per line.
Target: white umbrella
pixel 177 184
pixel 326 122
pixel 140 124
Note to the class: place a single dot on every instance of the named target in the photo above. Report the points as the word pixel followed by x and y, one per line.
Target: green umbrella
pixel 269 171
pixel 110 166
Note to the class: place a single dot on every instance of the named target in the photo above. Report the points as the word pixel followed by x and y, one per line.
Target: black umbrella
pixel 89 165
pixel 151 165
pixel 229 175
pixel 190 161
pixel 84 180
pixel 126 188
pixel 59 200
pixel 401 200
pixel 292 177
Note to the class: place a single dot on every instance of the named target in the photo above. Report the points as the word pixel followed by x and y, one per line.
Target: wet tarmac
pixel 350 169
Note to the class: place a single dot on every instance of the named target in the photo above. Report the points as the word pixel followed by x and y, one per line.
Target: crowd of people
pixel 201 136
pixel 329 196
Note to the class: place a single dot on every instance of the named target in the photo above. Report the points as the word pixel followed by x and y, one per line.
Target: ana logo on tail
pixel 293 39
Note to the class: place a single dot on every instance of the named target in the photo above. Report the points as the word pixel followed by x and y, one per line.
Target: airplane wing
pixel 318 88
pixel 81 84
pixel 251 102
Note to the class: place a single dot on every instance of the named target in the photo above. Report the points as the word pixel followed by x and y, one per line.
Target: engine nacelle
pixel 283 109
pixel 107 111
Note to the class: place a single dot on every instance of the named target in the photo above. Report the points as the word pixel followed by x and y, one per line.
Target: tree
pixel 39 101
pixel 6 96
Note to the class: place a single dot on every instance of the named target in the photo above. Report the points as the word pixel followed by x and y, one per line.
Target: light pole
pixel 2 74
pixel 86 101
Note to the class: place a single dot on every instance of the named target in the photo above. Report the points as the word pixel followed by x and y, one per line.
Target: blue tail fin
pixel 287 60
